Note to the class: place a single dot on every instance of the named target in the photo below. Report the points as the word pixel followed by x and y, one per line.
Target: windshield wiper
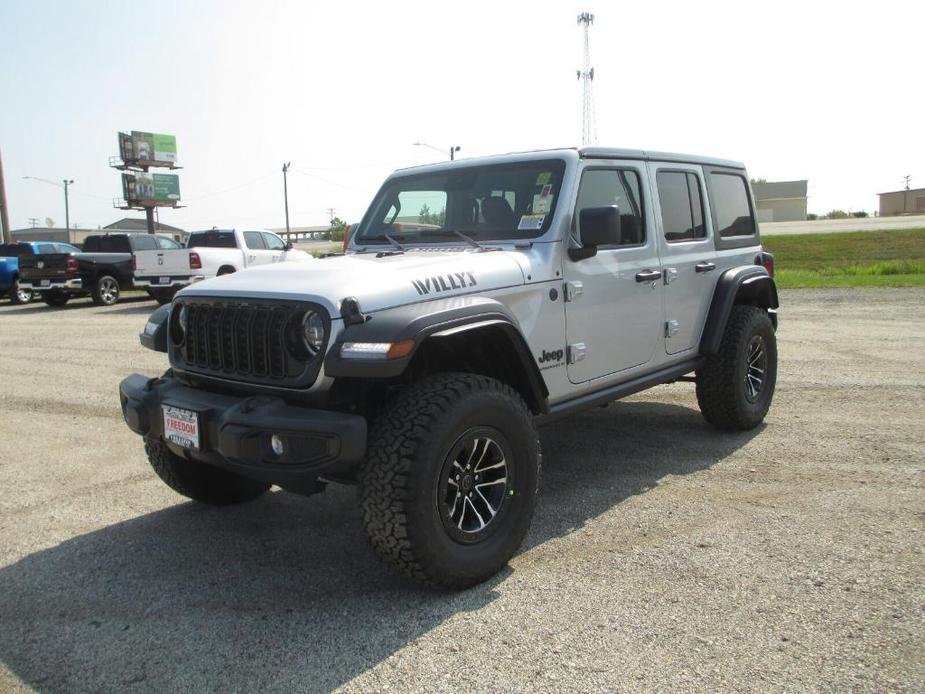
pixel 384 237
pixel 469 239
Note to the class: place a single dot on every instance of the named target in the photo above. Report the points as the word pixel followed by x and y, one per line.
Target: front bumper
pixel 235 433
pixel 41 286
pixel 157 281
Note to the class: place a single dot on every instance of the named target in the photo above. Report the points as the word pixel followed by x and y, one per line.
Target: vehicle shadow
pixel 129 304
pixel 283 593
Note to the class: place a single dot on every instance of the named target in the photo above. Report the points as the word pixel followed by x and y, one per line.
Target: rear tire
pixel 55 299
pixel 224 270
pixel 105 291
pixel 18 295
pixel 449 486
pixel 162 296
pixel 198 481
pixel 735 386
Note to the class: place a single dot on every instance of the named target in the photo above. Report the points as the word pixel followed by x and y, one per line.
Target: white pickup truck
pixel 207 254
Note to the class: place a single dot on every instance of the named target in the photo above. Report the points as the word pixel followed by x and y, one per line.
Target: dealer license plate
pixel 163 280
pixel 44 283
pixel 181 426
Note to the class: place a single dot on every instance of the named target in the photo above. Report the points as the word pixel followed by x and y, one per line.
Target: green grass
pixel 852 259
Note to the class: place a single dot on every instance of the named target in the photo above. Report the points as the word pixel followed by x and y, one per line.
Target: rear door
pixel 614 298
pixel 688 260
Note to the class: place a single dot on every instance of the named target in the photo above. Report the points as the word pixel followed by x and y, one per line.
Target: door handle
pixel 704 267
pixel 648 276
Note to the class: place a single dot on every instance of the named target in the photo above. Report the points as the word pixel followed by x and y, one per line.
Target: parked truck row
pixel 109 264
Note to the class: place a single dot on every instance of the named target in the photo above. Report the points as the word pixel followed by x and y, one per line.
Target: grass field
pixel 852 259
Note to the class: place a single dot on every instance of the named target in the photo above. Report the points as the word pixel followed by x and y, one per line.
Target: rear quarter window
pixel 107 244
pixel 732 210
pixel 211 239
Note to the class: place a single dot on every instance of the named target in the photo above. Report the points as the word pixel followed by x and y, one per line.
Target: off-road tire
pixel 198 481
pixel 20 296
pixel 721 382
pixel 409 446
pixel 105 291
pixel 55 299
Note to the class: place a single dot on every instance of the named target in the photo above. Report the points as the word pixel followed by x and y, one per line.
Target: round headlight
pixel 313 332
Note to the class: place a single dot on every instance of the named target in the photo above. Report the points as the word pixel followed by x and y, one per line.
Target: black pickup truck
pixel 101 270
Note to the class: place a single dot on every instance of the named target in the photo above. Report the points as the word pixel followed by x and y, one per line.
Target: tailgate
pixel 157 263
pixel 44 266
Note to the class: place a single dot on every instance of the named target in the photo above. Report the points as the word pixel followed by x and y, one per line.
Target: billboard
pixel 148 148
pixel 141 188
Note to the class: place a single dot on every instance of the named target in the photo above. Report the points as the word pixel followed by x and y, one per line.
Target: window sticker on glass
pixel 531 222
pixel 542 204
pixel 543 178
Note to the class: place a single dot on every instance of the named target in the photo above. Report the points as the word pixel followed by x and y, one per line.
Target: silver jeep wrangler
pixel 476 299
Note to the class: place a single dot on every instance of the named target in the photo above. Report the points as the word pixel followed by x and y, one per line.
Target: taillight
pixel 347 237
pixel 195 262
pixel 134 263
pixel 766 260
pixel 71 264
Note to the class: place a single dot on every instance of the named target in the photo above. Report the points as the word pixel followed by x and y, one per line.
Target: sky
pixel 827 91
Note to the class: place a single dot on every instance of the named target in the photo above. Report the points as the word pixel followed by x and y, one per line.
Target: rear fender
pixel 748 284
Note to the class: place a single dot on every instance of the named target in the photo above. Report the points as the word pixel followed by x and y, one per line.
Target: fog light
pixel 276 443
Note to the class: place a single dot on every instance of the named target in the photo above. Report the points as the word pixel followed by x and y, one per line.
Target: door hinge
pixel 671 274
pixel 672 328
pixel 576 352
pixel 573 290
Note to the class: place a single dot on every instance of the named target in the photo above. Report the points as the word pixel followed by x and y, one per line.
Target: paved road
pixel 664 555
pixel 829 226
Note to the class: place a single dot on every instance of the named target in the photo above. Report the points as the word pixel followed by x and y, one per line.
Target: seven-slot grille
pixel 242 341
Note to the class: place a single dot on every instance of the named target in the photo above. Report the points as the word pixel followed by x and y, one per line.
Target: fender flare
pixel 751 282
pixel 432 320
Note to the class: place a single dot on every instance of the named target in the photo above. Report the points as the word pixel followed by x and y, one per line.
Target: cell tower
pixel 586 75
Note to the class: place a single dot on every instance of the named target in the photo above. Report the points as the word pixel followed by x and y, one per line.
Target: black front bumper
pixel 235 433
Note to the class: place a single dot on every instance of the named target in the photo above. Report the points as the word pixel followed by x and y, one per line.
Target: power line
pixel 329 182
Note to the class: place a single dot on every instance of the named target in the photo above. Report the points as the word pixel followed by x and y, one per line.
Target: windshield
pixel 500 201
pixel 211 239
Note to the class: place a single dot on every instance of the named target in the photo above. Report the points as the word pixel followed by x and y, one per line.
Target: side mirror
pixel 288 246
pixel 598 226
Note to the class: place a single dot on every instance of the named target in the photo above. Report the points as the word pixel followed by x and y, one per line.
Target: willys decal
pixel 444 283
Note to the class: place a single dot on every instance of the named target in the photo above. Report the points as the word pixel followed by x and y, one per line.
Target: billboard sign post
pixel 140 151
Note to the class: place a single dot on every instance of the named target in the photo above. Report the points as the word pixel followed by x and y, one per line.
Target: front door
pixel 688 258
pixel 614 298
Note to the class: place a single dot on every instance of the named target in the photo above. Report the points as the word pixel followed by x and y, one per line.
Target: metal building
pixel 902 202
pixel 780 201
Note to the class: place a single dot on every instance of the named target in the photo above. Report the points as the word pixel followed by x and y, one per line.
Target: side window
pixel 144 243
pixel 66 248
pixel 732 214
pixel 620 187
pixel 274 242
pixel 254 240
pixel 165 244
pixel 48 248
pixel 682 206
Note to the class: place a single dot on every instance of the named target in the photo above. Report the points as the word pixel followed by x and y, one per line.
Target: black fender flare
pixel 749 284
pixel 439 319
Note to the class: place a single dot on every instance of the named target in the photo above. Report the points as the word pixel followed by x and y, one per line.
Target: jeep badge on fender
pixel 418 364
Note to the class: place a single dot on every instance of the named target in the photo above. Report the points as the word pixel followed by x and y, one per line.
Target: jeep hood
pixel 376 283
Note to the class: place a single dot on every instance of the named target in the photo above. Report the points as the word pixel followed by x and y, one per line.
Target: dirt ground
pixel 664 555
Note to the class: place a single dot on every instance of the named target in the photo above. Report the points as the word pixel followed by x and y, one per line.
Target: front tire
pixel 106 291
pixel 198 481
pixel 735 386
pixel 18 295
pixel 449 487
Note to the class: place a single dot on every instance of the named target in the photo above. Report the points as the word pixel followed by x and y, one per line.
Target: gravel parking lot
pixel 664 555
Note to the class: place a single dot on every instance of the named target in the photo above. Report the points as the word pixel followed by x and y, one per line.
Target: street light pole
pixel 4 213
pixel 453 150
pixel 286 197
pixel 67 209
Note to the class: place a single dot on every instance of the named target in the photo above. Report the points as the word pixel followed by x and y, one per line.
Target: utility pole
pixel 4 213
pixel 331 214
pixel 586 75
pixel 906 191
pixel 453 149
pixel 286 196
pixel 33 222
pixel 67 209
